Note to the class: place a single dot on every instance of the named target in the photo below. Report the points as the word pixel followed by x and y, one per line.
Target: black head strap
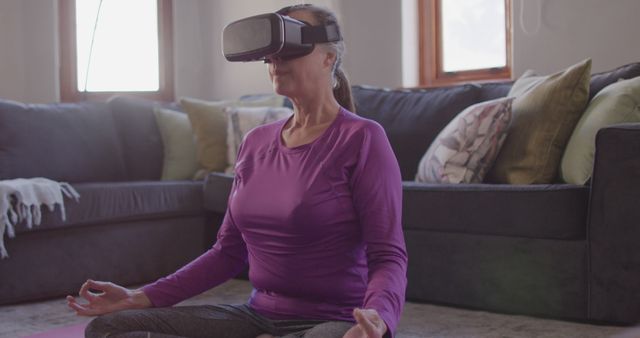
pixel 319 34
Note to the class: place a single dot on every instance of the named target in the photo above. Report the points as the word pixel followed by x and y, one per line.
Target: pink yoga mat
pixel 73 331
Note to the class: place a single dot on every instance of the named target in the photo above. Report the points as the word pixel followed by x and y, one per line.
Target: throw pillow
pixel 544 116
pixel 209 123
pixel 465 149
pixel 179 160
pixel 616 103
pixel 242 120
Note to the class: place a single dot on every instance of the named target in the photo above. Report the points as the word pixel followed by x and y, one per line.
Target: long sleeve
pixel 377 194
pixel 224 260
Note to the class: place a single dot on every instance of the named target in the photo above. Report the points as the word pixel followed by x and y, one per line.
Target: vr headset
pixel 260 37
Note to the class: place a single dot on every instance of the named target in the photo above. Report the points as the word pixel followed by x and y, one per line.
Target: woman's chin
pixel 281 90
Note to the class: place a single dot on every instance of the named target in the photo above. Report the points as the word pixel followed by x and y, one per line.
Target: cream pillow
pixel 244 119
pixel 209 123
pixel 617 103
pixel 179 161
pixel 545 112
pixel 465 149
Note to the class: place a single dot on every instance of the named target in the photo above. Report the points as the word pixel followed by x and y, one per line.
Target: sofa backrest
pixel 412 118
pixel 139 136
pixel 71 142
pixel 603 79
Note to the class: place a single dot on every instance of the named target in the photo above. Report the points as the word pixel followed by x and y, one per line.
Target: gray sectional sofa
pixel 556 250
pixel 128 226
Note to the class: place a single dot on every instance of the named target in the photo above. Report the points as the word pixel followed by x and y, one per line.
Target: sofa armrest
pixel 217 187
pixel 614 226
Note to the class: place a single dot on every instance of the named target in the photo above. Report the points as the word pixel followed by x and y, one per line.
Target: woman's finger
pixel 367 325
pixel 85 293
pixel 70 299
pixel 80 310
pixel 98 285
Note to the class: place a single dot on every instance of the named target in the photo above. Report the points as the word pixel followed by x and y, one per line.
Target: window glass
pixel 117 45
pixel 473 34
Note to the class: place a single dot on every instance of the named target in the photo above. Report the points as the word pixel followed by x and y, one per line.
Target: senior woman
pixel 314 210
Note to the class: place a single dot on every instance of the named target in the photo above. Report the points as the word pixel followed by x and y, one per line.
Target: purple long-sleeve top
pixel 319 225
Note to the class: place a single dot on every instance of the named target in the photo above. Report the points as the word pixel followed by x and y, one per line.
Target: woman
pixel 315 211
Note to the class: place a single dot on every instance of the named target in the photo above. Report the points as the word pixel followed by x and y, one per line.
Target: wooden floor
pixel 418 320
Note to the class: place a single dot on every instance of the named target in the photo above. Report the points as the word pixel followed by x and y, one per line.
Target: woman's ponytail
pixel 342 90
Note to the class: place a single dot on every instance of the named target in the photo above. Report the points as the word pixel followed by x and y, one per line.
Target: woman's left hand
pixel 368 325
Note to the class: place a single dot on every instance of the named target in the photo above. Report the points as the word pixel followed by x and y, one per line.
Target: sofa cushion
pixel 72 142
pixel 412 118
pixel 545 112
pixel 603 79
pixel 139 135
pixel 465 149
pixel 493 90
pixel 125 201
pixel 540 211
pixel 535 211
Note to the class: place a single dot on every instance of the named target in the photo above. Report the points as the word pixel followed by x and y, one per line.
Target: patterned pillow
pixel 242 120
pixel 465 149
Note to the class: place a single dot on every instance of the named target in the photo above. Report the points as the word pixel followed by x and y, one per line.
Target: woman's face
pixel 303 75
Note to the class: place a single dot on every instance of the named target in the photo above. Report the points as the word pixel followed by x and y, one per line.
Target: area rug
pixel 51 318
pixel 73 331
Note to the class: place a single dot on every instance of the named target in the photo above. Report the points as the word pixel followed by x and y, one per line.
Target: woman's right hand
pixel 111 298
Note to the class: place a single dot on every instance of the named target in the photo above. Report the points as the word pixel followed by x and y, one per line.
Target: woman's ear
pixel 329 59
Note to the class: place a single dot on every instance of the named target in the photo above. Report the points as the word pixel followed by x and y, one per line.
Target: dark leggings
pixel 233 321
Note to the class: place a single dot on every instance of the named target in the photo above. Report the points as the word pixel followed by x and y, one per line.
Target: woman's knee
pixel 98 327
pixel 111 323
pixel 334 329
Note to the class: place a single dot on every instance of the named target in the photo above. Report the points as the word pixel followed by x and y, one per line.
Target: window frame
pixel 431 72
pixel 68 57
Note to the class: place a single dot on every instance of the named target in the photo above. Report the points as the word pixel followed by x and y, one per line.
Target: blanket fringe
pixel 21 201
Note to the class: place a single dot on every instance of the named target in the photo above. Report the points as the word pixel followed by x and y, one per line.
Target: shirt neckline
pixel 305 146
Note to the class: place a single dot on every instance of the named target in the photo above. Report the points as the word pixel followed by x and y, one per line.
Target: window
pixel 112 47
pixel 464 41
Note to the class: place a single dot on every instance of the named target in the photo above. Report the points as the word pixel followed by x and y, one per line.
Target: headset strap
pixel 319 34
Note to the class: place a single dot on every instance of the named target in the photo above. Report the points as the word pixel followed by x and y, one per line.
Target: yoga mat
pixel 73 331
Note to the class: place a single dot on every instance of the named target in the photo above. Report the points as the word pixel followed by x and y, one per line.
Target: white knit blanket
pixel 21 199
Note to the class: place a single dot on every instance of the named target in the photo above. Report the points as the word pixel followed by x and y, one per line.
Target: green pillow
pixel 617 103
pixel 179 162
pixel 545 112
pixel 209 122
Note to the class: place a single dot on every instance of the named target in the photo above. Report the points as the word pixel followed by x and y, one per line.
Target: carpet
pixel 73 331
pixel 48 318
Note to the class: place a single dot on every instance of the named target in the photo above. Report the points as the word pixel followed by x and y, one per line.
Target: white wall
pixel 28 51
pixel 373 38
pixel 570 30
pixel 201 69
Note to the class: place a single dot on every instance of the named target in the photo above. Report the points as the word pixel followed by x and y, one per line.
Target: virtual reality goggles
pixel 261 37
